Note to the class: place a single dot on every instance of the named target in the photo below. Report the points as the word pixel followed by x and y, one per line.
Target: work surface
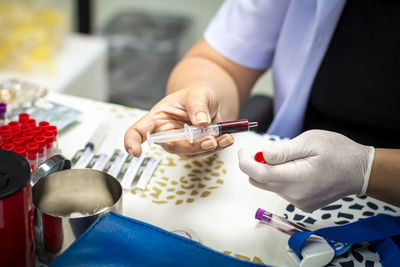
pixel 212 197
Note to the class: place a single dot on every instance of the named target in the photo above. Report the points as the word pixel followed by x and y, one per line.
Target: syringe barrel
pixel 166 136
pixel 202 131
pixel 230 127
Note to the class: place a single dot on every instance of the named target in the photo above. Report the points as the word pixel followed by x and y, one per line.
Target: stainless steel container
pixel 66 203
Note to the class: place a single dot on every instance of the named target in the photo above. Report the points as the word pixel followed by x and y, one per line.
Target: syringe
pixel 191 133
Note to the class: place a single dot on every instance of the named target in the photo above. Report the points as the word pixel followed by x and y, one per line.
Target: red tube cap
pixel 14 125
pixel 9 147
pixel 18 141
pixel 30 122
pixel 32 147
pixel 4 129
pixel 28 136
pixel 20 150
pixel 23 117
pixel 259 157
pixel 52 129
pixel 6 137
pixel 36 130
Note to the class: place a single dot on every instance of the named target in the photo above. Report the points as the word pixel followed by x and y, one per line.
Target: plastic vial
pixel 3 113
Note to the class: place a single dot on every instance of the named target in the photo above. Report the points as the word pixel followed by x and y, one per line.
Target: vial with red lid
pixel 23 117
pixel 53 129
pixel 41 141
pixel 3 113
pixel 44 125
pixel 49 143
pixel 29 136
pixel 20 150
pixel 32 149
pixel 36 130
pixel 8 146
pixel 7 138
pixel 18 141
pixel 4 129
pixel 30 122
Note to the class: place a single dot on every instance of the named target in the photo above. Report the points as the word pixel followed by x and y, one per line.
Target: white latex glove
pixel 311 170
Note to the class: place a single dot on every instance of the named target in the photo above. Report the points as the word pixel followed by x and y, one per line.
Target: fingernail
pixel 225 141
pixel 202 117
pixel 208 144
pixel 130 151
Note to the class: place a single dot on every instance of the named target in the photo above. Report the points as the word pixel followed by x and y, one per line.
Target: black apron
pixel 356 91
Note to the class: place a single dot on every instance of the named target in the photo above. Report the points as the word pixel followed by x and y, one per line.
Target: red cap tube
pixel 49 138
pixel 30 122
pixel 18 141
pixel 8 147
pixel 32 149
pixel 20 150
pixel 4 129
pixel 23 117
pixel 36 130
pixel 7 138
pixel 13 125
pixel 52 129
pixel 41 140
pixel 28 136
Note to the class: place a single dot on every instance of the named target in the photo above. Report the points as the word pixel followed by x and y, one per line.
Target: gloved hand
pixel 311 170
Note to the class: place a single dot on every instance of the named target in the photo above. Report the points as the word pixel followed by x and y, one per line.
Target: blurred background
pixel 119 51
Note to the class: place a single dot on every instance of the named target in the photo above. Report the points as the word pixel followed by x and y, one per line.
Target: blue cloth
pixel 115 240
pixel 291 37
pixel 378 230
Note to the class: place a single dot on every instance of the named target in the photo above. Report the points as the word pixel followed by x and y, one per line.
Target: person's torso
pixel 357 87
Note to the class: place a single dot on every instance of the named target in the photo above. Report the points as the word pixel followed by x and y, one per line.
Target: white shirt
pixel 289 36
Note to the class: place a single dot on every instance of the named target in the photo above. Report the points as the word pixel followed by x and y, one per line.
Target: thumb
pixel 201 106
pixel 284 151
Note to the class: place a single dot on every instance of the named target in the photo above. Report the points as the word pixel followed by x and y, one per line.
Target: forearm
pixel 384 183
pixel 203 66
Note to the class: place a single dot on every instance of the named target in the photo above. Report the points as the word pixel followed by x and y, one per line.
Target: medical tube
pixel 278 222
pixel 3 113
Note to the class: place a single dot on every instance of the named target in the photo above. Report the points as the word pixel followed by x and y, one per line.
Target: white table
pixel 81 69
pixel 221 210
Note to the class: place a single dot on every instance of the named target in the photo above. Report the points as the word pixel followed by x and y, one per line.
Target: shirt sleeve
pixel 246 31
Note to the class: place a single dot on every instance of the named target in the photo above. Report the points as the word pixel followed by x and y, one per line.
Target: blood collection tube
pixel 24 128
pixel 14 128
pixel 36 130
pixel 8 146
pixel 13 125
pixel 23 117
pixel 53 129
pixel 4 129
pixel 49 143
pixel 32 149
pixel 278 222
pixel 44 125
pixel 30 122
pixel 29 136
pixel 1 143
pixel 18 141
pixel 3 113
pixel 20 150
pixel 7 138
pixel 41 140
